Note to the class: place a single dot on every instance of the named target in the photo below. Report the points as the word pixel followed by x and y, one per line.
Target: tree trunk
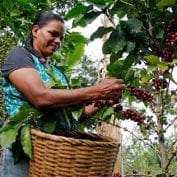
pixel 162 149
pixel 110 129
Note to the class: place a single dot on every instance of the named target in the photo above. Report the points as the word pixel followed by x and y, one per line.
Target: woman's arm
pixel 28 81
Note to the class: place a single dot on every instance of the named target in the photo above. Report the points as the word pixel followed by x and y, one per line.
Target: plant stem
pixel 170 159
pixel 138 175
pixel 140 139
pixel 162 149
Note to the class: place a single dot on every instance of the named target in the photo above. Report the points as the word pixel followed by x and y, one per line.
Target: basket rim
pixel 107 141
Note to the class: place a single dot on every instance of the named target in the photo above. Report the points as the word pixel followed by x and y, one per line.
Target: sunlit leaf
pixel 75 55
pixel 145 78
pixel 8 137
pixel 174 61
pixel 76 37
pixel 151 68
pixel 164 3
pixel 163 67
pixel 152 59
pixel 25 139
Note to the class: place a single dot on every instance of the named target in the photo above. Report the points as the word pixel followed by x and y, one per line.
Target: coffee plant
pixel 146 31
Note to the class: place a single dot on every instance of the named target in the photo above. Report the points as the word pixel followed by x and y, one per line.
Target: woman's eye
pixel 55 34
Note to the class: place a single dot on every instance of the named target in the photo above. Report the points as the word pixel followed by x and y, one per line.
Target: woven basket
pixel 72 155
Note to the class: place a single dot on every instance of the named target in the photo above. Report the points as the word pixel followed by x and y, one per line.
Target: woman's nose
pixel 57 40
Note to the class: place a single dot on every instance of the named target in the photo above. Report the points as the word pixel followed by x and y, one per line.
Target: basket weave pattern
pixel 60 156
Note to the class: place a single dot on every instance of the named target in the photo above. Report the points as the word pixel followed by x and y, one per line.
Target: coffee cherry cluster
pixel 167 55
pixel 170 50
pixel 106 102
pixel 133 115
pixel 159 84
pixel 140 94
pixel 156 51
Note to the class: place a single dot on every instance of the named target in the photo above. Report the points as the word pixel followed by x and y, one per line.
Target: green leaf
pixel 152 59
pixel 79 9
pixel 25 114
pixel 115 68
pixel 108 112
pixel 10 125
pixel 8 4
pixel 76 37
pixel 132 25
pixel 118 46
pixel 74 56
pixel 50 126
pixel 100 2
pixel 8 137
pixel 151 68
pixel 161 175
pixel 54 77
pixel 128 62
pixel 100 32
pixel 145 78
pixel 83 20
pixel 164 3
pixel 130 46
pixel 174 61
pixel 141 40
pixel 129 77
pixel 90 16
pixel 115 43
pixel 79 21
pixel 77 111
pixel 163 67
pixel 25 139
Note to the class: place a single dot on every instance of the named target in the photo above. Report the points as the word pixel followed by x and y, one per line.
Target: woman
pixel 25 79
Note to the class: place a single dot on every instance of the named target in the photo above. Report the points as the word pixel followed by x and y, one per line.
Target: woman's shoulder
pixel 17 58
pixel 19 52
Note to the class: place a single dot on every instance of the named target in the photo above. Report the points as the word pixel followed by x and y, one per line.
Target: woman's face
pixel 47 39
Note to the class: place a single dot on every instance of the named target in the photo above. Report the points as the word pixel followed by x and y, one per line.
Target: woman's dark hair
pixel 45 17
pixel 42 19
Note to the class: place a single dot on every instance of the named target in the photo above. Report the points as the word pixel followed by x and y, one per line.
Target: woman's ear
pixel 35 30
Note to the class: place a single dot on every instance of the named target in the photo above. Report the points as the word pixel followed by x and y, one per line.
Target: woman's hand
pixel 110 88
